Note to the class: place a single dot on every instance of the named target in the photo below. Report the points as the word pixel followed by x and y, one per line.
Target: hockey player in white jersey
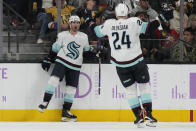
pixel 67 53
pixel 126 54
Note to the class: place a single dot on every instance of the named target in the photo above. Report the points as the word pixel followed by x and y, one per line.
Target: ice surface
pixel 93 126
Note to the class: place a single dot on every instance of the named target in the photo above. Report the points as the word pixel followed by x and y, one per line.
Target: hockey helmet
pixel 74 18
pixel 121 10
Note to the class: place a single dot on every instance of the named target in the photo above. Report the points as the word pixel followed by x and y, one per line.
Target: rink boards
pixel 22 87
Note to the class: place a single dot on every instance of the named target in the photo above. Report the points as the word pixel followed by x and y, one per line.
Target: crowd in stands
pixel 163 45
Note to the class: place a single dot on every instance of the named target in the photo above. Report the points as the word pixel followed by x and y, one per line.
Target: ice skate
pixel 68 117
pixel 150 120
pixel 139 122
pixel 42 107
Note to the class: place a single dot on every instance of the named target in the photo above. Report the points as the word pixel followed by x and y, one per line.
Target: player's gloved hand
pixel 93 49
pixel 46 64
pixel 166 16
pixel 52 25
pixel 87 15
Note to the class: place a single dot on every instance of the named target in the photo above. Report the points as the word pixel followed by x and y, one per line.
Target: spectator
pixel 76 3
pixel 109 11
pixel 89 6
pixel 175 21
pixel 189 51
pixel 144 6
pixel 102 5
pixel 192 21
pixel 46 4
pixel 34 7
pixel 49 19
pixel 190 4
pixel 169 36
pixel 21 7
pixel 194 7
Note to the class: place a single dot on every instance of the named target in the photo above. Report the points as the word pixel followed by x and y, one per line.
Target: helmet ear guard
pixel 121 10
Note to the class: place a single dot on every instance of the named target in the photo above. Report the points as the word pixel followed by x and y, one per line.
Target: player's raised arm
pixel 149 28
pixel 146 27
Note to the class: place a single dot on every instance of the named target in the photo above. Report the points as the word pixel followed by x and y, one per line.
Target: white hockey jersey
pixel 123 35
pixel 69 49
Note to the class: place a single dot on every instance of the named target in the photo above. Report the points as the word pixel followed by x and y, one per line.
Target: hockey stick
pixel 99 47
pixel 143 110
pixel 141 106
pixel 145 116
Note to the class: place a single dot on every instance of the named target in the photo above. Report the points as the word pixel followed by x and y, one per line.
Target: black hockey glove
pixel 46 64
pixel 93 49
pixel 87 15
pixel 166 16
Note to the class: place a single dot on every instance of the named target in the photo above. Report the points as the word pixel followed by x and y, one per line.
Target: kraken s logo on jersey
pixel 72 47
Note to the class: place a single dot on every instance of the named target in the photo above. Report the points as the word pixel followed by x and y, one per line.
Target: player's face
pixel 75 26
pixel 143 17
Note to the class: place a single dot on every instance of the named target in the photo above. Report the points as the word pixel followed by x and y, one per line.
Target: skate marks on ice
pixel 93 126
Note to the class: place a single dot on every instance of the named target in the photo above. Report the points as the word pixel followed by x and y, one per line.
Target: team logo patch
pixel 73 51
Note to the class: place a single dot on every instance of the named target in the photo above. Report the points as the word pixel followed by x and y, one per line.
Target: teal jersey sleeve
pixel 144 27
pixel 86 48
pixel 56 47
pixel 98 31
pixel 58 44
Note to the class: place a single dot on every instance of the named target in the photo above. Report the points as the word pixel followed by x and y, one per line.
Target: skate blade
pixel 41 110
pixel 150 124
pixel 65 119
pixel 140 125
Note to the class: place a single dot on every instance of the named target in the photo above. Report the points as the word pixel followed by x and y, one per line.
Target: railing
pixel 8 10
pixel 1 22
pixel 19 55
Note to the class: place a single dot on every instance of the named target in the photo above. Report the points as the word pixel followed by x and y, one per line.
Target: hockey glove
pixel 46 64
pixel 87 15
pixel 166 16
pixel 93 49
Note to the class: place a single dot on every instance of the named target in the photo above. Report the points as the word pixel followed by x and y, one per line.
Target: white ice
pixel 93 126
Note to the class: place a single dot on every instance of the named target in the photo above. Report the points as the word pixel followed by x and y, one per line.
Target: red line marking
pixel 191 115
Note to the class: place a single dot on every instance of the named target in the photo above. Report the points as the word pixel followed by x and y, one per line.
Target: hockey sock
pixel 148 106
pixel 52 84
pixel 67 106
pixel 133 100
pixel 69 97
pixel 145 93
pixel 136 111
pixel 47 97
